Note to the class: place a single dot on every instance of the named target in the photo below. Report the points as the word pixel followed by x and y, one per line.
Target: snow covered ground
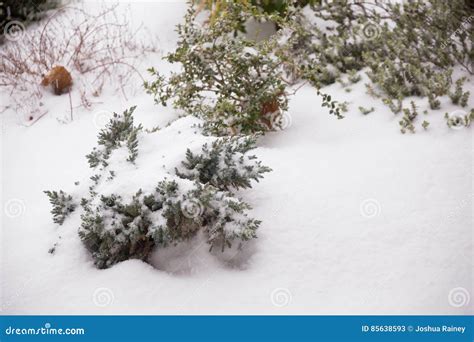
pixel 357 218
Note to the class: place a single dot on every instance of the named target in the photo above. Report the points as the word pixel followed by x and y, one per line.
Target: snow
pixel 356 217
pixel 150 167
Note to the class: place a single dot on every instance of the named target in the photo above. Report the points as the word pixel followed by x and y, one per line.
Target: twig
pixel 70 104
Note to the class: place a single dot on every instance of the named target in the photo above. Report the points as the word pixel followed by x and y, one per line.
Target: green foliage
pixel 63 205
pixel 324 54
pixel 225 80
pixel 197 198
pixel 406 49
pixel 459 97
pixel 459 119
pixel 409 48
pixel 120 236
pixel 219 8
pixel 409 116
pixel 114 230
pixel 224 164
pixel 120 131
pixel 366 111
pixel 334 107
pixel 236 84
pixel 408 60
pixel 218 213
pixel 280 6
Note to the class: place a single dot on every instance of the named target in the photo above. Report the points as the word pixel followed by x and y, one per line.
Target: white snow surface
pixel 356 217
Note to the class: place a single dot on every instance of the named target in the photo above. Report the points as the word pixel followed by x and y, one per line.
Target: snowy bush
pixel 459 119
pixel 410 35
pixel 119 132
pixel 62 204
pixel 225 80
pixel 223 165
pixel 133 205
pixel 416 56
pixel 114 230
pixel 219 7
pixel 234 83
pixel 407 49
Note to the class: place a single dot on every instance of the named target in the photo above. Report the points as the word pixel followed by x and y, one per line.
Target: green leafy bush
pixel 407 49
pixel 62 204
pixel 219 7
pixel 459 119
pixel 118 225
pixel 236 84
pixel 411 60
pixel 225 80
pixel 120 131
pixel 223 165
pixel 281 6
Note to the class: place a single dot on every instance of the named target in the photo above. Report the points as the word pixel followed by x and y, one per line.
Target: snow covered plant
pixel 218 7
pixel 233 83
pixel 416 56
pixel 135 203
pixel 224 164
pixel 62 204
pixel 407 48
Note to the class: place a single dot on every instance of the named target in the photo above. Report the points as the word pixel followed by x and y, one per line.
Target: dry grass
pixel 96 49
